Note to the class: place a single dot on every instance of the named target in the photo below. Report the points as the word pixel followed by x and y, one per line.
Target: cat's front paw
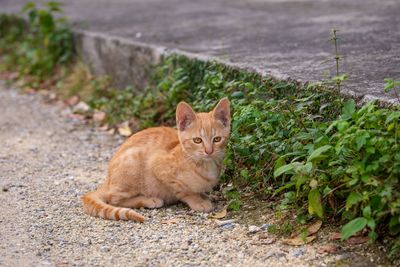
pixel 203 206
pixel 154 203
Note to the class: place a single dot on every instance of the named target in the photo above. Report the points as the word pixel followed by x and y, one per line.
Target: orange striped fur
pixel 161 166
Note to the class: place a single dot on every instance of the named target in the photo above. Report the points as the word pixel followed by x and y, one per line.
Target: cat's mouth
pixel 210 157
pixel 204 156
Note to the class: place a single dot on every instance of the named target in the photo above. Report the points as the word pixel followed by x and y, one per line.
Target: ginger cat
pixel 160 166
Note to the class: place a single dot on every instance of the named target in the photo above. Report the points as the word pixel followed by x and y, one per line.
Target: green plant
pixel 355 162
pixel 392 85
pixel 38 46
pixel 284 229
pixel 338 79
pixel 233 196
pixel 273 229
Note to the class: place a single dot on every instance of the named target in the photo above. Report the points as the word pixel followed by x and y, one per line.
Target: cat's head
pixel 204 135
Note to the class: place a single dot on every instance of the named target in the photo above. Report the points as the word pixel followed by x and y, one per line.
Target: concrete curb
pixel 130 62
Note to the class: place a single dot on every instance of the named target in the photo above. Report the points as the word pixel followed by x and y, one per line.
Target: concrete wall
pixel 127 62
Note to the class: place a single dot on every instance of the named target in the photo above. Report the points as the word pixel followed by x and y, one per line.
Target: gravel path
pixel 49 159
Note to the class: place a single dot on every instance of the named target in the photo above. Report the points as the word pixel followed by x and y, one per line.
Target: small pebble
pixel 228 226
pixel 299 252
pixel 81 107
pixel 265 226
pixel 104 248
pixel 222 223
pixel 275 254
pixel 253 229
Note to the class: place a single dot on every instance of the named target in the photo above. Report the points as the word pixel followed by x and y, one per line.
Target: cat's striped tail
pixel 95 206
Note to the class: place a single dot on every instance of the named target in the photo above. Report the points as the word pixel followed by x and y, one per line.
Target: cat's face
pixel 204 135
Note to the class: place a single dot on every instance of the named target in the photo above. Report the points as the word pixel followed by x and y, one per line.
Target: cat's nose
pixel 209 150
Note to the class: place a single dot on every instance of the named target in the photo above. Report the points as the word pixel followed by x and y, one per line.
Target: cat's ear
pixel 184 116
pixel 222 112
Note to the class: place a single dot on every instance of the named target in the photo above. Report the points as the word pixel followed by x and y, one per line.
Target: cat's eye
pixel 197 140
pixel 217 139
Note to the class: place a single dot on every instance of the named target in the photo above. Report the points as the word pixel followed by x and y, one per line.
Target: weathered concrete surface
pixel 128 62
pixel 283 38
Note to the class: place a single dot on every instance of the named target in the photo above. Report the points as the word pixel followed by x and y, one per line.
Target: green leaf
pixel 244 173
pixel 394 225
pixel 361 139
pixel 237 94
pixel 331 126
pixel 29 6
pixel 282 188
pixel 371 224
pixel 342 126
pixel 279 162
pixel 353 182
pixel 353 227
pixel 353 199
pixel 349 108
pixel 314 203
pixel 234 205
pixel 372 235
pixel 318 153
pixel 389 84
pixel 340 78
pixel 300 180
pixel 249 86
pixel 392 116
pixel 46 21
pixel 307 168
pixel 367 212
pixel 54 6
pixel 283 169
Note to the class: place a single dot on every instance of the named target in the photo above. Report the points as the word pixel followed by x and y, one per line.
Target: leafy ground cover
pixel 304 146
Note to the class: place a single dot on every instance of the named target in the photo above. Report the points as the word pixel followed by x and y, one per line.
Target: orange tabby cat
pixel 161 165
